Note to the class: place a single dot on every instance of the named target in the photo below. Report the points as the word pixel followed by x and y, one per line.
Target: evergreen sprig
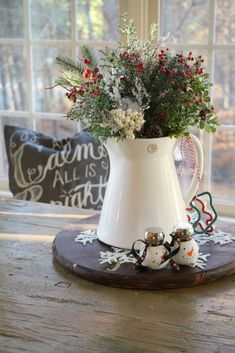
pixel 69 64
pixel 89 55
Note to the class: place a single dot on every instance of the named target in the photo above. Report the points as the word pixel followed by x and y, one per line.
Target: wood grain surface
pixel 46 309
pixel 83 260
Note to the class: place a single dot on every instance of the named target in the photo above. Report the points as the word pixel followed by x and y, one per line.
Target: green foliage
pixel 69 64
pixel 87 54
pixel 72 72
pixel 168 92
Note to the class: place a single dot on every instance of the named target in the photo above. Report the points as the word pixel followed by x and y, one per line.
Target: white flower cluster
pixel 127 121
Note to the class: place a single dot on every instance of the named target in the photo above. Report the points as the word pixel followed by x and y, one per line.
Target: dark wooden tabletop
pixel 46 309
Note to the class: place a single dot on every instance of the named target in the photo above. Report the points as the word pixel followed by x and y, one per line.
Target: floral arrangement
pixel 138 90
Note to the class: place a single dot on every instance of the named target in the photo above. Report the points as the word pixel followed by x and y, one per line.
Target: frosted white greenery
pixel 148 50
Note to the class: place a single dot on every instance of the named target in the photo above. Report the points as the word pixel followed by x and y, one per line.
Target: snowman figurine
pixel 188 250
pixel 152 252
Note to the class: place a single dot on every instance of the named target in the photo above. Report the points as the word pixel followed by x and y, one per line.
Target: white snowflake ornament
pixel 202 260
pixel 219 237
pixel 88 236
pixel 116 255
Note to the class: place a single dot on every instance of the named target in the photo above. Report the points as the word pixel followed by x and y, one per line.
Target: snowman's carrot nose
pixel 190 253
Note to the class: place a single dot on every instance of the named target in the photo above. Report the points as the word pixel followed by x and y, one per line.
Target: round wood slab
pixel 83 260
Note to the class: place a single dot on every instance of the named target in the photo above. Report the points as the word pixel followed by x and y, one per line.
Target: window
pixel 207 27
pixel 32 34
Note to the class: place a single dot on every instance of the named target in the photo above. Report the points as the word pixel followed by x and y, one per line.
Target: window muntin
pixel 207 27
pixel 32 34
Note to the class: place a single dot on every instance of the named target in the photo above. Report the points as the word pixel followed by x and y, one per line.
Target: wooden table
pixel 44 308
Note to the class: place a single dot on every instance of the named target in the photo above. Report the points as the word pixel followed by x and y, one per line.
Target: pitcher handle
pixel 197 171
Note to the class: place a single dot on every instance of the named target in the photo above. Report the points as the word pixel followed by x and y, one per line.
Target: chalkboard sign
pixel 71 172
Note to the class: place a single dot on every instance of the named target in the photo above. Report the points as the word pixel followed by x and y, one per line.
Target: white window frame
pixel 223 206
pixel 144 13
pixel 28 42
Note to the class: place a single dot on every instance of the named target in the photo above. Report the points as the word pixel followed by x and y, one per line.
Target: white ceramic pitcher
pixel 143 190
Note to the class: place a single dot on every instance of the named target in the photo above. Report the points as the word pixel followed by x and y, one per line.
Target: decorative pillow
pixel 71 172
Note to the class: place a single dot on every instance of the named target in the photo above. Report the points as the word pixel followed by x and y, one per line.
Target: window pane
pixel 50 19
pixel 22 122
pixel 223 165
pixel 45 72
pixel 225 24
pixel 11 19
pixel 96 51
pixel 224 88
pixel 186 20
pixel 13 78
pixel 184 164
pixel 98 19
pixel 195 53
pixel 56 128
